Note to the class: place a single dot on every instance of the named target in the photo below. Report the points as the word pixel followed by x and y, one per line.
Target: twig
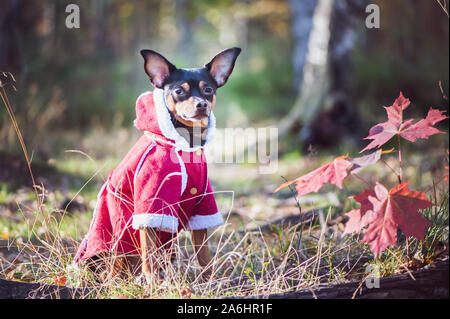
pixel 363 180
pixel 400 160
pixel 389 166
pixel 443 5
pixel 444 96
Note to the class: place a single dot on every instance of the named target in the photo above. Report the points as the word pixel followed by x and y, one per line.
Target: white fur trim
pixel 205 221
pixel 169 131
pixel 163 222
pixel 141 162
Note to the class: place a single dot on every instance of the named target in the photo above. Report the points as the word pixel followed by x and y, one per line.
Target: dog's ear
pixel 157 67
pixel 222 65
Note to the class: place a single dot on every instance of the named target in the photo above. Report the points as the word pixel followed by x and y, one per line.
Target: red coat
pixel 162 183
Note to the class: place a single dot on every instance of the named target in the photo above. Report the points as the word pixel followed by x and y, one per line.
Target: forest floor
pixel 271 243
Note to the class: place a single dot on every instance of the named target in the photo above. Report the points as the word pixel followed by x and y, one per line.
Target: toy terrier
pixel 162 186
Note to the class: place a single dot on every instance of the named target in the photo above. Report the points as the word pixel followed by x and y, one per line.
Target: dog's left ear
pixel 222 65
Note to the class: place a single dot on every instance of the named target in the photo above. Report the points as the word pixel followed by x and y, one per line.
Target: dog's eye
pixel 179 91
pixel 208 90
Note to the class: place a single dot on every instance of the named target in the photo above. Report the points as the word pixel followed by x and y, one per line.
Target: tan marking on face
pixel 185 86
pixel 188 108
pixel 202 84
pixel 170 103
pixel 178 108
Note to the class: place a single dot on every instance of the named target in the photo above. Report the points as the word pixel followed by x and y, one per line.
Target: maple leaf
pixel 397 208
pixel 334 173
pixel 186 293
pixel 396 125
pixel 360 218
pixel 60 280
pixel 357 221
pixel 424 128
pixel 360 162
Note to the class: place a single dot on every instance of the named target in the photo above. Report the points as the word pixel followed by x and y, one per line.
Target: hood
pixel 152 115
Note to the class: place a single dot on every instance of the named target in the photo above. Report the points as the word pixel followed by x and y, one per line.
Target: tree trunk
pixel 339 116
pixel 323 108
pixel 314 82
pixel 302 24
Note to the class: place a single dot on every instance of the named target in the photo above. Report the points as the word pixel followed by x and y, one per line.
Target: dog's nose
pixel 202 105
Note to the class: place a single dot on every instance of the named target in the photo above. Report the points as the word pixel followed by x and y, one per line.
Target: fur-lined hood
pixel 152 115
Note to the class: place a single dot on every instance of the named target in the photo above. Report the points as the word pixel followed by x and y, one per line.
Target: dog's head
pixel 190 93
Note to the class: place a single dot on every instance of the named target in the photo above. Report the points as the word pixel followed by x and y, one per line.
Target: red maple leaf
pixel 397 208
pixel 396 125
pixel 334 172
pixel 360 162
pixel 60 280
pixel 360 218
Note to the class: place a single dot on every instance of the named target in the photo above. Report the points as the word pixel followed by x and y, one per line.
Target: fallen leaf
pixel 186 293
pixel 60 280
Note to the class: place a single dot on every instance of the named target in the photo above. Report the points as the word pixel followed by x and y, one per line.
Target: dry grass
pixel 245 263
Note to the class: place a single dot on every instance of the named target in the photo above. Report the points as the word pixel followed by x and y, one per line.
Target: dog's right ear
pixel 222 65
pixel 157 67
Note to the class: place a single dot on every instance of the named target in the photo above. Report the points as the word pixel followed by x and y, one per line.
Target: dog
pixel 161 187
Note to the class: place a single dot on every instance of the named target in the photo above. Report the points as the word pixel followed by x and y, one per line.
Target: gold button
pixel 199 152
pixel 193 190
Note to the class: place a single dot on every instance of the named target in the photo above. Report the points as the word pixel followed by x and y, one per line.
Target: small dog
pixel 162 185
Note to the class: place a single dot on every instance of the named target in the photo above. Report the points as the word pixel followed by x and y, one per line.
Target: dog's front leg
pixel 149 255
pixel 200 240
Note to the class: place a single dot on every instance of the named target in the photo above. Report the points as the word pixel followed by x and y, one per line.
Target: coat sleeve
pixel 206 213
pixel 157 193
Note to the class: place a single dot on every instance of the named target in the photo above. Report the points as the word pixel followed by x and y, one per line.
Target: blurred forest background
pixel 311 68
pixel 76 88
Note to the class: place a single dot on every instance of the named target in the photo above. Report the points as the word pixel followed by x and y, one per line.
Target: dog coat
pixel 162 183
